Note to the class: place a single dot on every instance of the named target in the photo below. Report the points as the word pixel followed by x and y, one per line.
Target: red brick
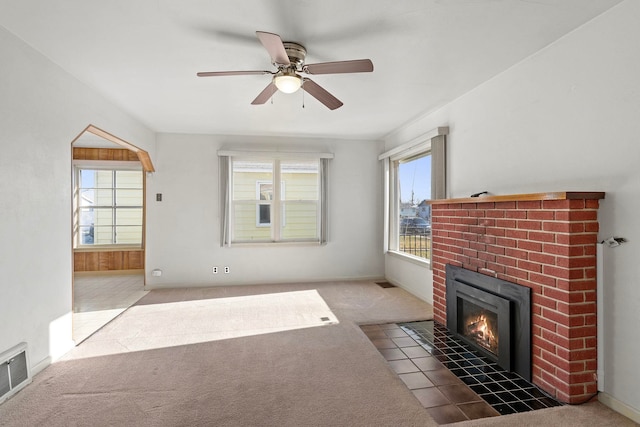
pixel 470 237
pixel 561 273
pixel 587 354
pixel 560 318
pixel 555 204
pixel 486 257
pixel 542 258
pixel 515 214
pixel 584 308
pixel 528 205
pixel 543 344
pixel 495 250
pixel 516 253
pixel 477 246
pixel 545 323
pixel 477 230
pixel 542 236
pixel 585 331
pixel 529 246
pixel 576 204
pixel 493 231
pixel 556 294
pixel 577 227
pixel 575 262
pixel 494 213
pixel 543 280
pixel 529 225
pixel 505 223
pixel 557 227
pixel 476 213
pixel 498 268
pixel 592 227
pixel 516 273
pixel 556 339
pixel 591 203
pixel 530 266
pixel 541 215
pixel 555 249
pixel 544 301
pixel 459 212
pixel 576 321
pixel 506 242
pixel 516 234
pixel 505 205
pixel 555 360
pixel 585 215
pixel 506 261
pixel 486 222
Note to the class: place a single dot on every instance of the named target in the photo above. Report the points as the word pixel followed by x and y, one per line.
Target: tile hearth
pixel 451 381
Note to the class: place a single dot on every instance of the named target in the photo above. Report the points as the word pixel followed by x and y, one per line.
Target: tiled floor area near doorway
pixel 98 299
pixel 451 381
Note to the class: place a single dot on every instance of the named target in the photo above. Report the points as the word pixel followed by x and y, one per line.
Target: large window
pixel 415 175
pixel 109 207
pixel 269 200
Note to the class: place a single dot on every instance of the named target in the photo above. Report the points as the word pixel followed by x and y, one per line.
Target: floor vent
pixel 14 371
pixel 385 285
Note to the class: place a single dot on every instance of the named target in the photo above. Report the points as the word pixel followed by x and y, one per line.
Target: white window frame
pixel 432 142
pixel 282 199
pixel 110 166
pixel 226 194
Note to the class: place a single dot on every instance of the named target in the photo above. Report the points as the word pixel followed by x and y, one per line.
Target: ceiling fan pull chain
pixel 303 93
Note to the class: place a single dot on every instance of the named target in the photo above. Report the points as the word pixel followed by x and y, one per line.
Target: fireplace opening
pixel 480 326
pixel 492 316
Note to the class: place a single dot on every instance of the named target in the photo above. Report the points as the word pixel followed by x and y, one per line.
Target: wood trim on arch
pixel 143 156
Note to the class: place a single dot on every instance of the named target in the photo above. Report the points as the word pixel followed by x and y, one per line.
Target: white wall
pixel 567 118
pixel 42 108
pixel 184 229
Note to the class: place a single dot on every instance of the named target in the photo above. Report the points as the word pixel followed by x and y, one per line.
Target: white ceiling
pixel 144 54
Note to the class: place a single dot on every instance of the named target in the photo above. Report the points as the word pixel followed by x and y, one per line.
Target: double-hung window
pixel 414 175
pixel 273 199
pixel 109 206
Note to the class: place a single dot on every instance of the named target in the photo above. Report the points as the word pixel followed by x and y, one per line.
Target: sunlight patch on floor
pixel 151 326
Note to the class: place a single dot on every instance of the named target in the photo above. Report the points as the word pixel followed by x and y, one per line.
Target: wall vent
pixel 14 371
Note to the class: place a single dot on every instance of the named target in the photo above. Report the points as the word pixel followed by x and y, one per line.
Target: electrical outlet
pixel 215 270
pixel 226 270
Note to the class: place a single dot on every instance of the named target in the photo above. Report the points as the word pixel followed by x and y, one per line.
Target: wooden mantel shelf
pixel 558 195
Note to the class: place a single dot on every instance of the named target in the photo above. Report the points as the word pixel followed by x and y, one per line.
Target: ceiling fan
pixel 289 57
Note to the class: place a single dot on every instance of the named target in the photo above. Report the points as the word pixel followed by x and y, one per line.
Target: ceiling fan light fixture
pixel 287 82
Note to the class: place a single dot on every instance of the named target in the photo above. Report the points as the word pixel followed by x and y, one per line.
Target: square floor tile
pixel 415 380
pixel 446 414
pixel 430 397
pixel 414 352
pixel 477 410
pixel 394 354
pixel 442 377
pixel 459 393
pixel 405 342
pixel 381 343
pixel 395 333
pixel 427 363
pixel 403 366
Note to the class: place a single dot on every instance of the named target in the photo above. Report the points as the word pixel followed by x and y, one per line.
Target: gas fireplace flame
pixel 478 328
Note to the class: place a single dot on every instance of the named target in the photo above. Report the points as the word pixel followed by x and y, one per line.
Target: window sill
pixel 410 258
pixel 108 248
pixel 272 244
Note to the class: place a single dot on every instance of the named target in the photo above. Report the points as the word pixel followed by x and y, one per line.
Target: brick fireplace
pixel 546 242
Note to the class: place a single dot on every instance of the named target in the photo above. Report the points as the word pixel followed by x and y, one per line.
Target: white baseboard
pixel 621 408
pixel 40 366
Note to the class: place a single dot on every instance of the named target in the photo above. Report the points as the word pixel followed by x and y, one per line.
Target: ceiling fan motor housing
pixel 296 53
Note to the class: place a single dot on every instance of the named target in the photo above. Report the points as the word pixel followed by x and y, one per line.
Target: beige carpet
pixel 273 355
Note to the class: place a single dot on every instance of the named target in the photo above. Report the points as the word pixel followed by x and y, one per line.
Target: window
pixel 257 192
pixel 415 174
pixel 109 207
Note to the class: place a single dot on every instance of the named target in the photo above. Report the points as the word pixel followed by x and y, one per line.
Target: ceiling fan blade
pixel 230 73
pixel 339 67
pixel 265 95
pixel 273 44
pixel 319 93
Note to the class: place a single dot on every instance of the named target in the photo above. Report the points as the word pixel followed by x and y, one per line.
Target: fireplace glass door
pixel 479 325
